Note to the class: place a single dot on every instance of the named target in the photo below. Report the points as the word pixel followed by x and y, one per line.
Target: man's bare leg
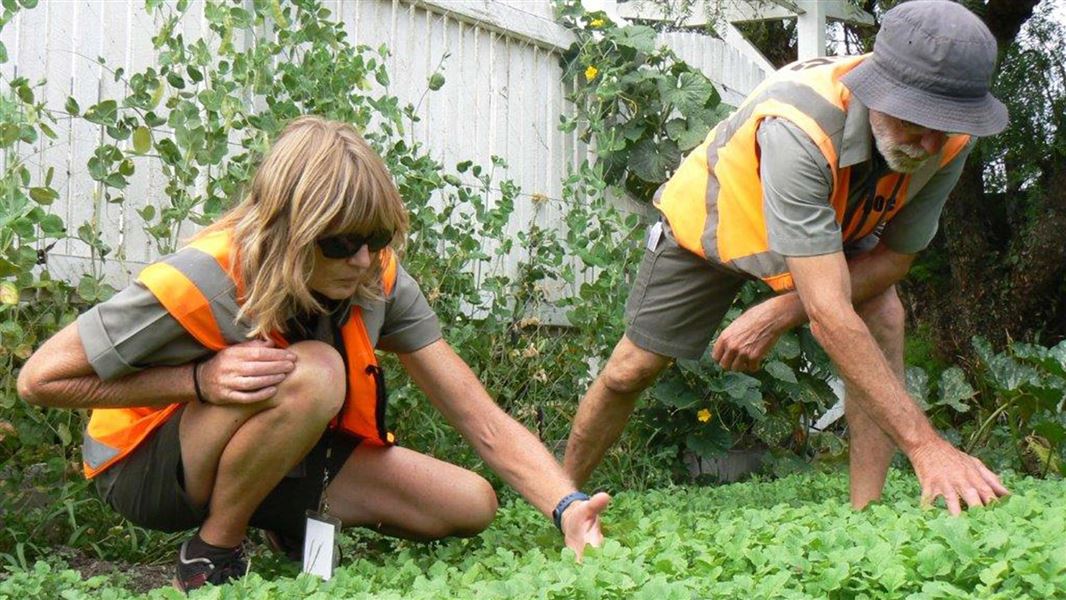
pixel 606 407
pixel 870 448
pixel 234 455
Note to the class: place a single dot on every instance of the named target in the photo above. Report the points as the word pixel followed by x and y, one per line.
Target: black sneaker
pixel 195 571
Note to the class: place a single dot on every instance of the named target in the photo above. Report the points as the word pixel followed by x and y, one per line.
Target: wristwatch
pixel 560 508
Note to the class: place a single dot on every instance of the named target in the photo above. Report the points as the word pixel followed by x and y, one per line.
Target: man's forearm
pixel 870 274
pixel 848 342
pixel 823 284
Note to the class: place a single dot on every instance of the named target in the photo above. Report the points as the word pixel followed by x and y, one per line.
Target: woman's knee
pixel 476 508
pixel 472 510
pixel 316 386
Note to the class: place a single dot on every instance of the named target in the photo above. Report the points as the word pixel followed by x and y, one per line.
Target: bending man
pixel 824 184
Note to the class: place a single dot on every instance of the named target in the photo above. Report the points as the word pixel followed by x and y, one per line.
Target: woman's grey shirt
pixel 132 330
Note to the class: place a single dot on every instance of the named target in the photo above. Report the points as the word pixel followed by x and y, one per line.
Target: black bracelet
pixel 196 382
pixel 557 514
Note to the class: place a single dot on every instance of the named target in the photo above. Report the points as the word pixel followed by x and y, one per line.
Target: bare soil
pixel 137 578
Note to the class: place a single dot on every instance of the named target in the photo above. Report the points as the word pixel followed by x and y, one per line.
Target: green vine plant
pixel 32 304
pixel 642 105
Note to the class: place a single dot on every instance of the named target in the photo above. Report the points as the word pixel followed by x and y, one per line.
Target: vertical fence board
pixel 146 186
pixel 10 38
pixel 110 18
pixel 60 43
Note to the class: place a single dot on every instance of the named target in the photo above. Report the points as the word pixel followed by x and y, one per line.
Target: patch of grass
pixel 795 537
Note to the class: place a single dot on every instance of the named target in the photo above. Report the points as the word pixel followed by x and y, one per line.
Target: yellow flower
pixel 9 294
pixel 528 322
pixel 704 415
pixel 596 23
pixel 591 72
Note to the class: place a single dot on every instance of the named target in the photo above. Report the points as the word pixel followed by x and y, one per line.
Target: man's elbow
pixel 827 314
pixel 821 315
pixel 833 326
pixel 34 386
pixel 821 327
pixel 29 385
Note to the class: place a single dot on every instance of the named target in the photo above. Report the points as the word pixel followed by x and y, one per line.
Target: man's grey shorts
pixel 678 300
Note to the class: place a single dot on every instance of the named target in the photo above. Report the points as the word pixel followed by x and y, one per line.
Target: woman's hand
pixel 245 373
pixel 581 523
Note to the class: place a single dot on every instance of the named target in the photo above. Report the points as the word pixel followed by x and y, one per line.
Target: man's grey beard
pixel 901 158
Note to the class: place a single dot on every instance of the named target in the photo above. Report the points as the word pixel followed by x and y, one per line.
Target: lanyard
pixel 338 345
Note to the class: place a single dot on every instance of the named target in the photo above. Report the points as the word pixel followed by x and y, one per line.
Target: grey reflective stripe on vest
pixel 828 117
pixel 215 284
pixel 95 453
pixel 763 264
pixel 658 194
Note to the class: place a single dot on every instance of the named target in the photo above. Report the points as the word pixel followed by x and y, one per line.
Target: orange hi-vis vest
pixel 200 290
pixel 714 202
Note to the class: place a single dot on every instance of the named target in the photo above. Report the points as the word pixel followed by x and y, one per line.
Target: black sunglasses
pixel 348 245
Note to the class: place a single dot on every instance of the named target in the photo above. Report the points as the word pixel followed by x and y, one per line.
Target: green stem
pixel 979 434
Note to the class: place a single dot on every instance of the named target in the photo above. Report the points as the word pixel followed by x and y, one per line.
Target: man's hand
pixel 581 523
pixel 946 471
pixel 245 373
pixel 745 343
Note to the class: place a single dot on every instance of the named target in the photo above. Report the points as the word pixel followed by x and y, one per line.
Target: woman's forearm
pixel 521 459
pixel 508 448
pixel 158 386
pixel 59 375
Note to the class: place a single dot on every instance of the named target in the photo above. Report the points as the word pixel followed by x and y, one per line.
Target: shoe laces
pixel 234 566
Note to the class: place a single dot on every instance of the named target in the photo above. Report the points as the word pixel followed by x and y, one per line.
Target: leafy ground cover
pixel 791 538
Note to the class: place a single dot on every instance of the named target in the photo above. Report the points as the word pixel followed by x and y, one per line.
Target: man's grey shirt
pixel 798 184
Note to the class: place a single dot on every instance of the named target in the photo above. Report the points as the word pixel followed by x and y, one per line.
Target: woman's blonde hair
pixel 319 178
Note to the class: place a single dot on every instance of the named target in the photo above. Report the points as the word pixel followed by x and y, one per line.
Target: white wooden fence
pixel 504 95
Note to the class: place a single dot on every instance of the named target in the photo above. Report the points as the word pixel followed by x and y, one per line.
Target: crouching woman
pixel 235 383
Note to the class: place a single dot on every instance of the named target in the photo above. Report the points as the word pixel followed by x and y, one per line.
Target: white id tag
pixel 320 548
pixel 655 233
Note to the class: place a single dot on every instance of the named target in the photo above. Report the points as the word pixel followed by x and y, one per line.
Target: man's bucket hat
pixel 932 65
